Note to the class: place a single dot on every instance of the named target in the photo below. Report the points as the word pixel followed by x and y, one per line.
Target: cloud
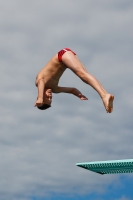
pixel 123 198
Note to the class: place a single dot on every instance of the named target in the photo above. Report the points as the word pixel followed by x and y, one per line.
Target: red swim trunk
pixel 60 53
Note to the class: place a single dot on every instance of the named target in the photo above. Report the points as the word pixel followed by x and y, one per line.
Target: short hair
pixel 44 107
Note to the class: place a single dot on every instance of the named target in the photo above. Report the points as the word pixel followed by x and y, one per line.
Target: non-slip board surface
pixel 109 167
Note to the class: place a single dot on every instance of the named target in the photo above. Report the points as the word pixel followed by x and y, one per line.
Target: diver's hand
pixel 82 97
pixel 38 102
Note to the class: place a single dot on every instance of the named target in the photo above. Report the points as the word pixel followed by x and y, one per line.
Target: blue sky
pixel 39 150
pixel 123 191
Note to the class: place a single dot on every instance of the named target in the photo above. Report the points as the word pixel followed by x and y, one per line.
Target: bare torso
pixel 51 73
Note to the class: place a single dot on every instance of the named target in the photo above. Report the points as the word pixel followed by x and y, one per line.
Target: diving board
pixel 109 167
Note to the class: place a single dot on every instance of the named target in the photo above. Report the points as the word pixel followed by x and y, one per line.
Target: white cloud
pixel 123 198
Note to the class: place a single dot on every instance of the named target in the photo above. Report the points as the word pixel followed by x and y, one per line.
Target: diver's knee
pixel 82 75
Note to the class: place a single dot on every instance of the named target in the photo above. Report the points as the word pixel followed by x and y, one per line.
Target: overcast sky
pixel 39 149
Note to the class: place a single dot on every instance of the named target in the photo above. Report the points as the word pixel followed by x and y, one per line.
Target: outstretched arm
pixel 41 86
pixel 69 90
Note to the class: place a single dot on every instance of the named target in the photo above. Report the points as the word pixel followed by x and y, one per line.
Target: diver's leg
pixel 73 63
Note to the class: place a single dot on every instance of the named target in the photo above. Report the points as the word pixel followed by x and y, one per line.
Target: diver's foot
pixel 108 102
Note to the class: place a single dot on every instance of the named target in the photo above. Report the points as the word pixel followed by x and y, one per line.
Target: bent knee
pixel 82 75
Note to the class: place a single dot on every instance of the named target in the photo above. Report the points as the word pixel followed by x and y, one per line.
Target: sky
pixel 39 149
